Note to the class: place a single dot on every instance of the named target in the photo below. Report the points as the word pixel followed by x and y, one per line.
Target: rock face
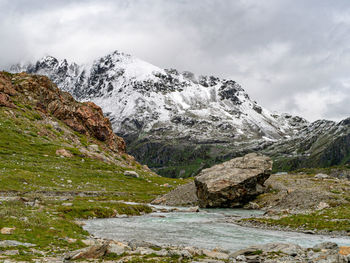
pixel 39 92
pixel 233 183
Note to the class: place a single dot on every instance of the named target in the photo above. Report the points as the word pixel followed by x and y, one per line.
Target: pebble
pixel 7 230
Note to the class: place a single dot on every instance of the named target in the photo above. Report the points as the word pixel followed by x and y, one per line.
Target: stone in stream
pixel 233 183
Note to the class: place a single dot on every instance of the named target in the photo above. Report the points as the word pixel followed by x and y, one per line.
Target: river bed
pixel 206 229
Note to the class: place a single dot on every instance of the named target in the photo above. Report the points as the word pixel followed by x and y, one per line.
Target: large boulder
pixel 233 183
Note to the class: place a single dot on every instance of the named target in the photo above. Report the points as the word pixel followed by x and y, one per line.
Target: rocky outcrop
pixel 233 183
pixel 40 93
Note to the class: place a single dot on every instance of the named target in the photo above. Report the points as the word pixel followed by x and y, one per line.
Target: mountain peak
pixel 156 109
pixel 140 97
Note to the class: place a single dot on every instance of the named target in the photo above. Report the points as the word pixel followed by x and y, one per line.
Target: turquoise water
pixel 206 229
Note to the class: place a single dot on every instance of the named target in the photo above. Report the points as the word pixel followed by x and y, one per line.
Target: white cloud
pixel 290 55
pixel 317 102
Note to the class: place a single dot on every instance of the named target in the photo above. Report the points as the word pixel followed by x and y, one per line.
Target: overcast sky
pixel 289 55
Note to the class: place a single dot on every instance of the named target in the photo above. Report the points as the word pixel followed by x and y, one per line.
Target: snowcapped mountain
pixel 169 117
pixel 141 98
pixel 323 143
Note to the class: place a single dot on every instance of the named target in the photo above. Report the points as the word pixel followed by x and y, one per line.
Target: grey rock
pixel 233 183
pixel 289 249
pixel 181 253
pixel 194 251
pixel 322 205
pixel 10 252
pixel 134 244
pixel 253 259
pixel 95 251
pixel 117 248
pixel 285 248
pixel 321 176
pixel 326 245
pixel 183 195
pixel 245 251
pixel 194 209
pixel 14 243
pixel 161 253
pixel 209 260
pixel 93 147
pixel 131 174
pixel 67 204
pixel 241 258
pixel 215 254
pixel 144 251
pixel 252 205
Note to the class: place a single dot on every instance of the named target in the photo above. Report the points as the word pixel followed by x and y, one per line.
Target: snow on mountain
pixel 143 99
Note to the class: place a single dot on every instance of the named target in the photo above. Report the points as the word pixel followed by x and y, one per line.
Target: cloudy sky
pixel 289 55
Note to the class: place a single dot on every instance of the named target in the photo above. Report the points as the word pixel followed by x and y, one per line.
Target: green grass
pixel 85 209
pixel 29 167
pixel 28 163
pixel 39 226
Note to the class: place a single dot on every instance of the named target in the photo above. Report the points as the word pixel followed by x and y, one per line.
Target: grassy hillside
pixel 42 193
pixel 29 162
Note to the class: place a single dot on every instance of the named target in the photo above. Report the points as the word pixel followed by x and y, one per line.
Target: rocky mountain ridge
pixel 178 123
pixel 142 98
pixel 323 143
